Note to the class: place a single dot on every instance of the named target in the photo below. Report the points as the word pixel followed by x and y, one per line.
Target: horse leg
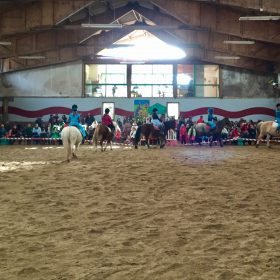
pixel 105 146
pixel 147 142
pixel 162 142
pixel 221 142
pixel 267 140
pixel 260 137
pixel 210 141
pixel 101 144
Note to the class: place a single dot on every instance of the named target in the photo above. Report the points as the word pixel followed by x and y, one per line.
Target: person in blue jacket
pixel 74 120
pixel 211 118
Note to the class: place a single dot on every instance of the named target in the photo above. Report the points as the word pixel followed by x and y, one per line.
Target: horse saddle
pixel 78 129
pixel 156 127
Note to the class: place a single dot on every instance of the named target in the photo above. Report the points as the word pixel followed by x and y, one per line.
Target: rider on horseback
pixel 107 120
pixel 211 119
pixel 277 115
pixel 74 120
pixel 156 120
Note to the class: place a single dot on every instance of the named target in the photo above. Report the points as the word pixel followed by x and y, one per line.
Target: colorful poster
pixel 141 109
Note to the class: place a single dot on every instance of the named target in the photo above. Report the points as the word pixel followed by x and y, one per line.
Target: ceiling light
pixel 260 18
pixel 102 26
pixel 32 57
pixel 3 43
pixel 226 57
pixel 239 42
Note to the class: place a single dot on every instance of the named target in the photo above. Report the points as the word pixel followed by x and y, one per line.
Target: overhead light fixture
pixel 260 18
pixel 102 26
pixel 32 57
pixel 239 42
pixel 226 57
pixel 132 62
pixel 3 43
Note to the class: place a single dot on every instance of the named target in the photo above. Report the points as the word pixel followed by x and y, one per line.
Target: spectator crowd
pixel 48 132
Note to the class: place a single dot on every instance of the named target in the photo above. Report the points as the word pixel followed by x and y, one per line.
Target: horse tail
pixel 137 135
pixel 258 129
pixel 66 140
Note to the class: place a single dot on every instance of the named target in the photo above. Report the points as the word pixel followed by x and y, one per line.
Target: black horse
pixel 202 129
pixel 149 132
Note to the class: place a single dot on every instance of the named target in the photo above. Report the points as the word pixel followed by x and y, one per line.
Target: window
pixel 185 80
pixel 197 80
pixel 206 80
pixel 173 110
pixel 111 107
pixel 152 80
pixel 105 80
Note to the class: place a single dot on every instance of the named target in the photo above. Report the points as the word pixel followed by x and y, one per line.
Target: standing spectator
pixel 183 133
pixel 89 119
pixel 51 120
pixel 180 122
pixel 189 122
pixel 64 118
pixel 39 122
pixel 3 131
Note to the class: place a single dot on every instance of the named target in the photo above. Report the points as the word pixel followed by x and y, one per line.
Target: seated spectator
pixel 14 132
pixel 27 133
pixel 36 132
pixel 234 135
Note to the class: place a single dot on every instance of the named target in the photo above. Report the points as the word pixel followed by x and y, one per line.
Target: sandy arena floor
pixel 178 213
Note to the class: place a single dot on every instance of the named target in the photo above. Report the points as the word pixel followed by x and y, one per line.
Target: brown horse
pixel 103 133
pixel 148 131
pixel 268 129
pixel 202 129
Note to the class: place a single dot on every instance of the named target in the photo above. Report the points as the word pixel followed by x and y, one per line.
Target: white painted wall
pixel 63 80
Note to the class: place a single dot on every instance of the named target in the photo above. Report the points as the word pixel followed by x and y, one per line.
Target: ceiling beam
pixel 220 19
pixel 38 14
pixel 264 6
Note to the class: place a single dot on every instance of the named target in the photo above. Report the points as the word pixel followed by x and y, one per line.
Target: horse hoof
pixel 136 147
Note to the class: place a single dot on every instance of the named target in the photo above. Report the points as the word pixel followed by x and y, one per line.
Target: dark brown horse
pixel 202 129
pixel 148 131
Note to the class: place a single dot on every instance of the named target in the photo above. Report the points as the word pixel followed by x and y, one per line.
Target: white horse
pixel 267 129
pixel 71 139
pixel 102 133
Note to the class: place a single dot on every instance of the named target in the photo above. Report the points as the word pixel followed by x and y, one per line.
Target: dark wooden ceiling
pixel 53 29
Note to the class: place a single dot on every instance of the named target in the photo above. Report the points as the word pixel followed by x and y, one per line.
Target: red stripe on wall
pixel 122 112
pixel 48 111
pixel 230 114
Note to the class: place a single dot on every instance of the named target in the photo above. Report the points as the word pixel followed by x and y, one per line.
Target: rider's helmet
pixel 75 107
pixel 278 105
pixel 155 110
pixel 107 111
pixel 210 110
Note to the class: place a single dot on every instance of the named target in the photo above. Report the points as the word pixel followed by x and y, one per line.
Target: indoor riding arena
pixel 202 202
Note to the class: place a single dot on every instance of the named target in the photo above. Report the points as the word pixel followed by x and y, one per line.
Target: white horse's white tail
pixel 71 139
